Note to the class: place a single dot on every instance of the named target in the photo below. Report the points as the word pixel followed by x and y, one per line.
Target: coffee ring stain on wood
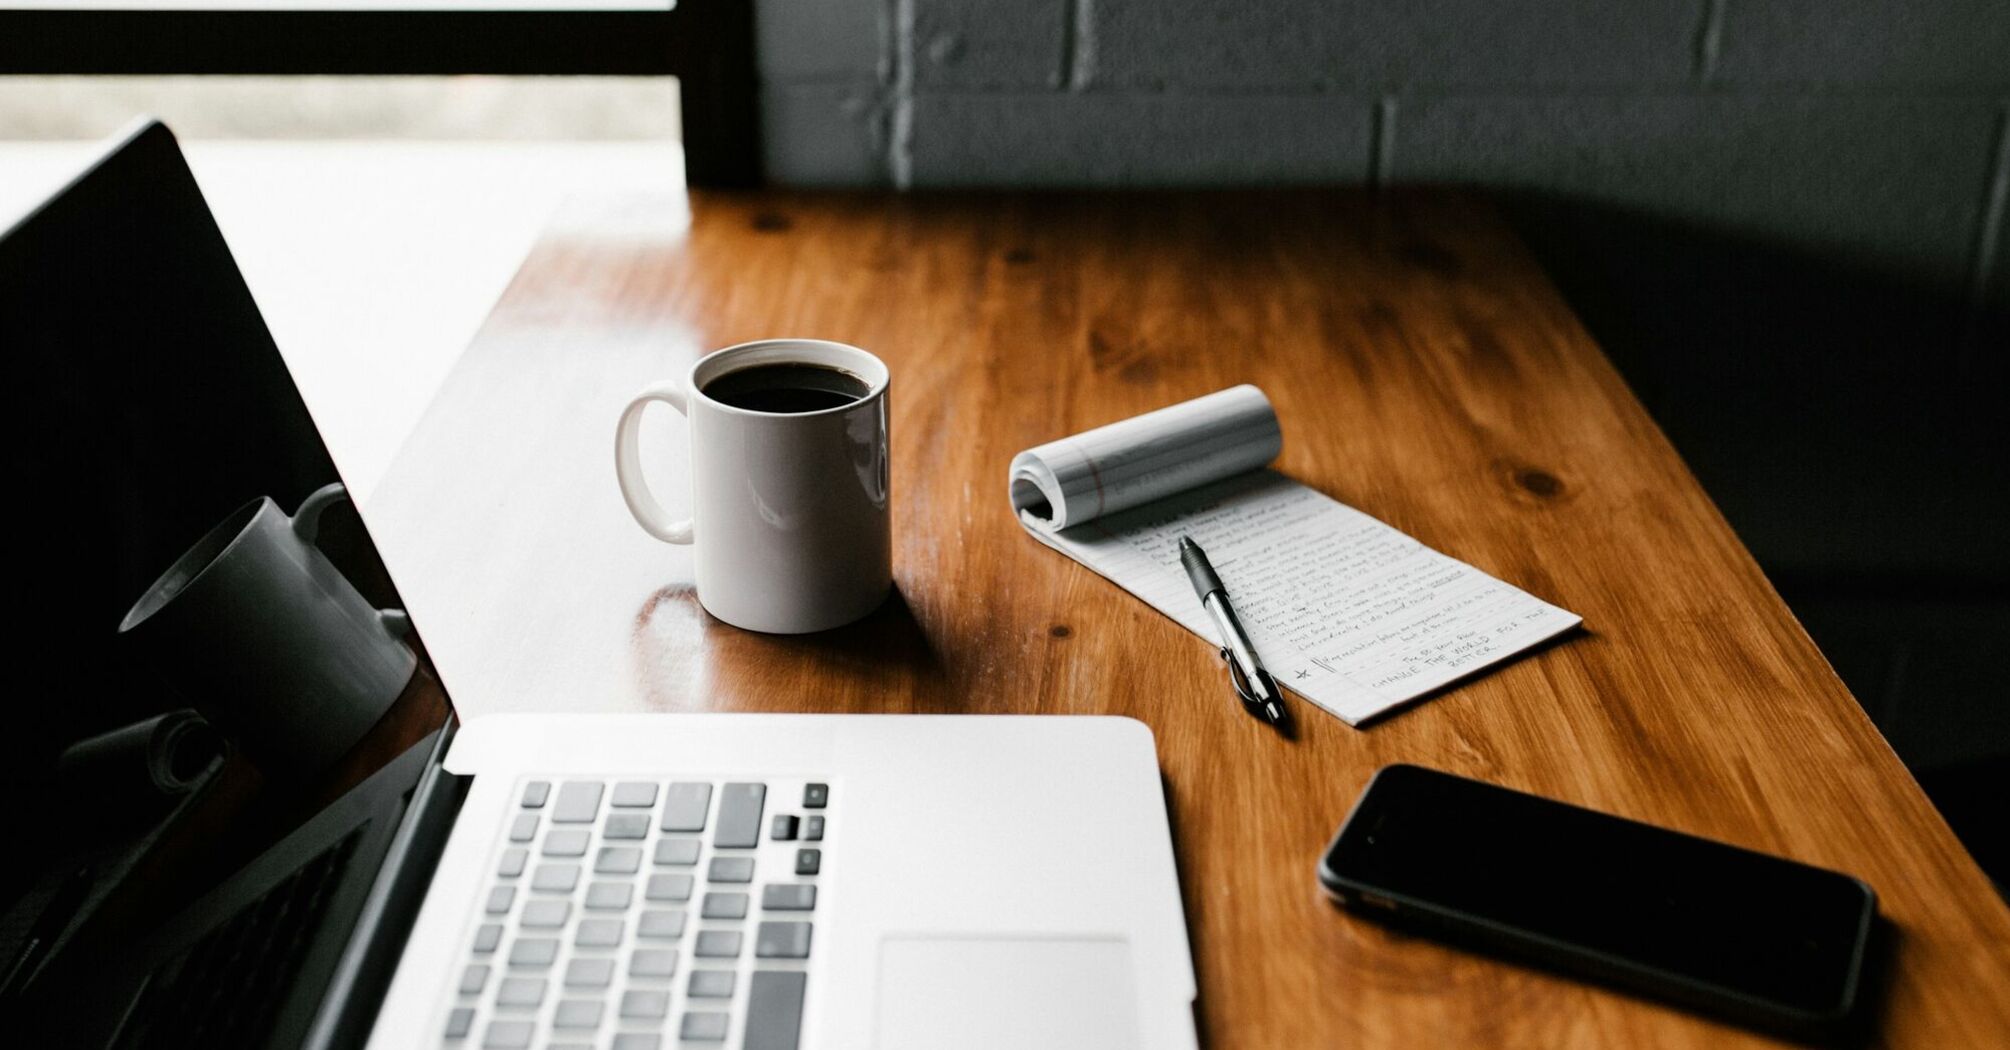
pixel 1060 630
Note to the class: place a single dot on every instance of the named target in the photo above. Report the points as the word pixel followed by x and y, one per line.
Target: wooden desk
pixel 1425 371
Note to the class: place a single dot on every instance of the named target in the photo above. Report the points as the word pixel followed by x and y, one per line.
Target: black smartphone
pixel 1751 938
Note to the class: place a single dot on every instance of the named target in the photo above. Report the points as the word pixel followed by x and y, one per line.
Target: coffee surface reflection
pixel 787 388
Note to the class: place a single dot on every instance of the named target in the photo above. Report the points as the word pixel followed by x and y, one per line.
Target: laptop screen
pixel 180 540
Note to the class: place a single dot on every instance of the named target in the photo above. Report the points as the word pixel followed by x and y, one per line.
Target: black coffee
pixel 787 388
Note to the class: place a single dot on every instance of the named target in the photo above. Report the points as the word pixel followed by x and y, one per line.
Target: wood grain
pixel 1425 371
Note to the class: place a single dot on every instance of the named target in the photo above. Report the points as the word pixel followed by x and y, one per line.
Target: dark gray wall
pixel 1869 129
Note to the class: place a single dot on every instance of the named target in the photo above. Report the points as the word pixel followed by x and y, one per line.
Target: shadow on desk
pixel 1864 1028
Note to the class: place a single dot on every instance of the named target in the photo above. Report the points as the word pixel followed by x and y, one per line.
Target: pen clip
pixel 1240 680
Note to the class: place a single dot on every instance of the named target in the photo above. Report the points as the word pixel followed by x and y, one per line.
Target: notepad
pixel 1347 612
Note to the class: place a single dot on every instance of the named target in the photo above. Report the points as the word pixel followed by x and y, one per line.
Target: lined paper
pixel 1347 612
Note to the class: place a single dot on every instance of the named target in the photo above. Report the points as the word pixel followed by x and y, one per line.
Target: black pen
pixel 1252 683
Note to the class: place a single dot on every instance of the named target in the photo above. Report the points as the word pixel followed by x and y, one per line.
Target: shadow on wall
pixel 1848 421
pixel 1851 425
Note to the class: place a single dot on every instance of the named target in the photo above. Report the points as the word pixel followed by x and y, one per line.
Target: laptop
pixel 521 881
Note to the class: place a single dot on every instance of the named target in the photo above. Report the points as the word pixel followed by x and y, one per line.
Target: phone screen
pixel 1537 870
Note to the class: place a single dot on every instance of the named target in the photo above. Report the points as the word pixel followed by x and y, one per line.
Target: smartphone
pixel 1751 938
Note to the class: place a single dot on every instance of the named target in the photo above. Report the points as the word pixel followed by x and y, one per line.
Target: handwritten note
pixel 1346 611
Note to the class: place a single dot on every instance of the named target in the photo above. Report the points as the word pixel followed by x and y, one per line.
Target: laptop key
pixel 711 984
pixel 731 869
pixel 487 937
pixel 660 924
pixel 653 962
pixel 724 906
pixel 577 1013
pixel 535 792
pixel 523 828
pixel 500 898
pixel 718 944
pixel 645 1003
pixel 533 951
pixel 507 1035
pixel 783 827
pixel 460 1020
pixel 598 933
pixel 684 807
pixel 608 896
pixel 545 914
pixel 816 796
pixel 566 842
pixel 774 1010
pixel 704 1027
pixel 474 979
pixel 520 991
pixel 512 862
pixel 578 802
pixel 790 896
pixel 679 852
pixel 618 860
pixel 809 861
pixel 782 940
pixel 637 1041
pixel 668 888
pixel 555 878
pixel 589 973
pixel 740 815
pixel 626 826
pixel 813 829
pixel 631 794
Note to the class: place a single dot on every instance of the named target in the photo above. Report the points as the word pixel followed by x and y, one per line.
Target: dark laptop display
pixel 181 541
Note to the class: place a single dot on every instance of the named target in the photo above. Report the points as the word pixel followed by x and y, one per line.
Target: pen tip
pixel 1185 541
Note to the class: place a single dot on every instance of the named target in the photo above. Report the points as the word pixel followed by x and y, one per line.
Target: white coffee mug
pixel 789 511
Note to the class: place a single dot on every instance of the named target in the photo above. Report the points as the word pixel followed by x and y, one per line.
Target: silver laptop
pixel 521 881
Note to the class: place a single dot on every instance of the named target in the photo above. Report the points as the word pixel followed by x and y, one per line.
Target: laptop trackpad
pixel 999 993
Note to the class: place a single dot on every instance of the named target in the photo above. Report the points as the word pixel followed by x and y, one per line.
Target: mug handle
pixel 306 521
pixel 306 524
pixel 628 465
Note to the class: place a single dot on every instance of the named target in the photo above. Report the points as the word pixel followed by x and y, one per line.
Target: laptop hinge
pixel 364 971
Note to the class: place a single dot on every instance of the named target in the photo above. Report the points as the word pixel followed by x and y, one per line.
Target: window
pixel 706 44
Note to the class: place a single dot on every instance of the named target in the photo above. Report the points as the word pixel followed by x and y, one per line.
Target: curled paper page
pixel 1145 458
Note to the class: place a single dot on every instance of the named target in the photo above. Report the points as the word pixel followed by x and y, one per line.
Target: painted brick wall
pixel 1869 131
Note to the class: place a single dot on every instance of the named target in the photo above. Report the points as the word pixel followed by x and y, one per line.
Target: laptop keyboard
pixel 643 914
